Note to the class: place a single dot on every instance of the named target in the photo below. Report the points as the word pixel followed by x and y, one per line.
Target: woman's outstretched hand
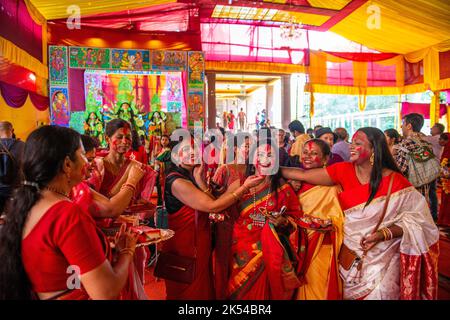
pixel 253 181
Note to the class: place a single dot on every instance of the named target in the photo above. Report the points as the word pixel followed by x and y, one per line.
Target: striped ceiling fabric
pixel 59 9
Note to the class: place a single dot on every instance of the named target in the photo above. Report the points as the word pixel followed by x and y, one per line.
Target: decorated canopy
pixel 393 46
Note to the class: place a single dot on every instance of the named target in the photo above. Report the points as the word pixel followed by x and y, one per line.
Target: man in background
pixel 11 151
pixel 342 147
pixel 436 132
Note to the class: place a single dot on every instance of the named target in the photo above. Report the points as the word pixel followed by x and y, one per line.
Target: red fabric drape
pixel 58 34
pixel 16 97
pixel 17 26
pixel 363 56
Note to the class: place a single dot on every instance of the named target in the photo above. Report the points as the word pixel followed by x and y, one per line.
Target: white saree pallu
pixel 401 268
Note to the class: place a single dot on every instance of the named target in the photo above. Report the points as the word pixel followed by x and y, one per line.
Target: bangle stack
pixel 235 196
pixel 127 251
pixel 387 234
pixel 129 186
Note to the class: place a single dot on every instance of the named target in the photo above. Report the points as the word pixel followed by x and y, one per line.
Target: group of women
pixel 51 243
pixel 352 230
pixel 255 232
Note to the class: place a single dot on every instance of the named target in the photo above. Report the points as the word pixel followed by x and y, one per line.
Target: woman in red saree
pixel 102 209
pixel 115 170
pixel 444 211
pixel 228 176
pixel 400 260
pixel 263 258
pixel 50 246
pixel 188 207
pixel 322 224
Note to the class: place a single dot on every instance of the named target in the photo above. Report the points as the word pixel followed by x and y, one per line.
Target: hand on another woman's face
pixel 253 181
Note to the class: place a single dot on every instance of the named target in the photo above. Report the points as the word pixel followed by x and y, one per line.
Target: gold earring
pixel 324 164
pixel 372 159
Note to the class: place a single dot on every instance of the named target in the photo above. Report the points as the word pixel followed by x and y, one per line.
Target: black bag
pixel 8 165
pixel 171 266
pixel 176 268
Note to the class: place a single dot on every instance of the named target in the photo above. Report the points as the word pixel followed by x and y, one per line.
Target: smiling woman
pixel 383 263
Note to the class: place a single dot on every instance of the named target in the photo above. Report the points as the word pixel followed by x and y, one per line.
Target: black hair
pixel 393 134
pixel 44 154
pixel 382 159
pixel 135 141
pixel 89 143
pixel 341 133
pixel 324 147
pixel 296 126
pixel 416 120
pixel 440 126
pixel 444 136
pixel 114 125
pixel 167 136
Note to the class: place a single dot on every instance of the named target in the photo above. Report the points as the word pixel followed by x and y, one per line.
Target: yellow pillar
pixel 434 108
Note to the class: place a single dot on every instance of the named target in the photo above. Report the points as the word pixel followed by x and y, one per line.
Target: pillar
pixel 211 82
pixel 285 101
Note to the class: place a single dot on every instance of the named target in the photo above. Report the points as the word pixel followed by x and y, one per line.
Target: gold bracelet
pixel 385 234
pixel 390 234
pixel 206 190
pixel 129 186
pixel 127 251
pixel 236 197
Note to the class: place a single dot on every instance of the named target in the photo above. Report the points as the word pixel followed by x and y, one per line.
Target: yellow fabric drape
pixel 52 9
pixel 359 74
pixel 403 25
pixel 25 119
pixel 20 57
pixel 399 63
pixel 434 108
pixel 266 67
pixel 311 104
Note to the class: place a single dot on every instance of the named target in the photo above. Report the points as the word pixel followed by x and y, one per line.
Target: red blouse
pixel 64 236
pixel 354 193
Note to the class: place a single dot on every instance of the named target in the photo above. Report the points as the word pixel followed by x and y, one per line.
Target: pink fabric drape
pixel 16 97
pixel 17 26
pixel 242 43
pixel 422 108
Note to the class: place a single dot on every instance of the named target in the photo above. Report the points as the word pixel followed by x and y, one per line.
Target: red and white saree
pixel 401 268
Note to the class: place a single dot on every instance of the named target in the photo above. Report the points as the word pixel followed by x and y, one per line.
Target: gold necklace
pixel 62 193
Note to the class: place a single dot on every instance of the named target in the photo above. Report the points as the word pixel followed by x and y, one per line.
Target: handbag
pixel 174 267
pixel 347 257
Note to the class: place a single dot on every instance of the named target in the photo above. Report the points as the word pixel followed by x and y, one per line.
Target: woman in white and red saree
pixel 401 257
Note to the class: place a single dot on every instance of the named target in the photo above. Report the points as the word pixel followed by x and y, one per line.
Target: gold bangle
pixel 206 190
pixel 390 234
pixel 236 197
pixel 127 251
pixel 385 234
pixel 129 186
